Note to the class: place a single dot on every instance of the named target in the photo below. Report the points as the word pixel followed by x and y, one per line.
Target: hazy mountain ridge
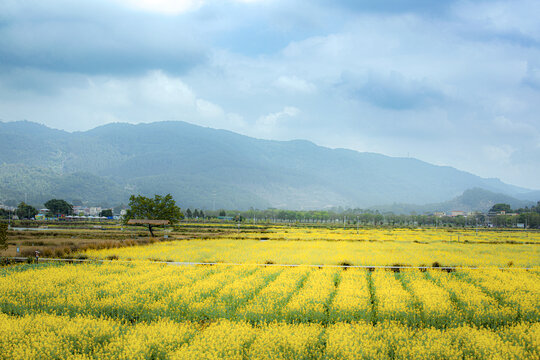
pixel 475 199
pixel 208 168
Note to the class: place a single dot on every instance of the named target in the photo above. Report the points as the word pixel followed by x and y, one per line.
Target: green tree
pixel 4 214
pixel 530 219
pixel 3 236
pixel 158 208
pixel 106 213
pixel 501 207
pixel 189 215
pixel 25 211
pixel 59 207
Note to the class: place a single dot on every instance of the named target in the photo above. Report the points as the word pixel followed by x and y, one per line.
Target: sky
pixel 452 83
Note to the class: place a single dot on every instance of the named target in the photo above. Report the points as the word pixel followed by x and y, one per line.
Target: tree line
pixel 56 207
pixel 499 214
pixel 530 217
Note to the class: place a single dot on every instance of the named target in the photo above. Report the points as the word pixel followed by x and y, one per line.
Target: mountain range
pixel 211 169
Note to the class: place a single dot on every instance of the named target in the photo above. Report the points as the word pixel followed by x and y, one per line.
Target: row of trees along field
pixel 56 207
pixel 500 215
pixel 25 211
pixel 527 216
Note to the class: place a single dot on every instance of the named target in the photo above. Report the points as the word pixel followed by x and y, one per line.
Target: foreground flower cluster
pixel 147 291
pixel 44 336
pixel 147 310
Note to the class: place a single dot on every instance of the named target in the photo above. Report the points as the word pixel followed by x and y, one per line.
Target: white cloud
pixel 250 1
pixel 208 110
pixel 532 77
pixel 97 100
pixel 294 84
pixel 510 17
pixel 509 126
pixel 274 119
pixel 236 121
pixel 157 88
pixel 163 6
pixel 468 78
pixel 498 154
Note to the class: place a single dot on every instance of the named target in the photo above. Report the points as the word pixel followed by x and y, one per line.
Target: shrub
pixel 345 264
pixel 28 253
pixel 3 236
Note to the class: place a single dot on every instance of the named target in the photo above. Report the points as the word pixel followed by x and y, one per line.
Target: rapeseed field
pixel 356 247
pixel 141 309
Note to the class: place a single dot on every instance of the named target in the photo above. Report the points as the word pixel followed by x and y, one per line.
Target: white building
pixel 95 210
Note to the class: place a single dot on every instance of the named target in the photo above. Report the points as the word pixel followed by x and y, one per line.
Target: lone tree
pixel 59 207
pixel 148 211
pixel 25 211
pixel 3 236
pixel 106 213
pixel 500 208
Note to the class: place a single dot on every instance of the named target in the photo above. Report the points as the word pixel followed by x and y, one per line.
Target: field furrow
pixel 392 301
pixel 353 299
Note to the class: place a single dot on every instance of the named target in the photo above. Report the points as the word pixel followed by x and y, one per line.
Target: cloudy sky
pixel 449 82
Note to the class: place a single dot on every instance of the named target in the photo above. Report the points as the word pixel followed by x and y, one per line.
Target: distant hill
pixel 471 200
pixel 209 168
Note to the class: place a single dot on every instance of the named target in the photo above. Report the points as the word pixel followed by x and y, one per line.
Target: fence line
pixel 189 263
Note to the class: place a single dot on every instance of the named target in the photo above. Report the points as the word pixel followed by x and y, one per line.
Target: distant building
pixel 455 213
pixel 225 217
pixel 439 214
pixel 496 213
pixel 42 214
pixel 81 211
pixel 95 210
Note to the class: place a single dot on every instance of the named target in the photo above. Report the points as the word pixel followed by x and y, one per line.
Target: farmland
pixel 142 309
pixel 336 246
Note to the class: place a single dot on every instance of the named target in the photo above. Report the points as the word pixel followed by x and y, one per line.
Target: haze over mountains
pixel 211 169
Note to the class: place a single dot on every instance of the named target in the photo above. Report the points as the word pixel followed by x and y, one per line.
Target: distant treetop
pixel 59 207
pixel 501 207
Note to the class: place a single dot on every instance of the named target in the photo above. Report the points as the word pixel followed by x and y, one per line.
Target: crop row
pixel 422 235
pixel 415 250
pixel 147 292
pixel 49 336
